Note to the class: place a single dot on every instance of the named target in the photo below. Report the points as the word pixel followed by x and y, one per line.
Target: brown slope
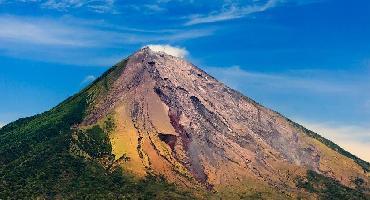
pixel 174 119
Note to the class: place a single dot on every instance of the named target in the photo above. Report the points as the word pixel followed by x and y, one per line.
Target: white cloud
pixel 69 40
pixel 88 79
pixel 78 33
pixel 231 12
pixel 170 50
pixel 2 124
pixel 46 32
pixel 354 139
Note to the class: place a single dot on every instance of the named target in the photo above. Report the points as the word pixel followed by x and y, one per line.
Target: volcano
pixel 154 126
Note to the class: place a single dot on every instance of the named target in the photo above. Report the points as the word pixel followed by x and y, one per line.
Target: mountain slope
pixel 155 119
pixel 36 161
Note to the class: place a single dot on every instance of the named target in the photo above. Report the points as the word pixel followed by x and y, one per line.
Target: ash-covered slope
pixel 157 114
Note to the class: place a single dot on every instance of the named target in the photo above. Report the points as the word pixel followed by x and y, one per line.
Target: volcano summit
pixel 155 126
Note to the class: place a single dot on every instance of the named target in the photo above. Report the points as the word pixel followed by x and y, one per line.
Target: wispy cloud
pixel 58 32
pixel 234 9
pixel 238 77
pixel 2 124
pixel 229 12
pixel 152 8
pixel 354 139
pixel 88 79
pixel 53 35
pixel 98 6
pixel 44 32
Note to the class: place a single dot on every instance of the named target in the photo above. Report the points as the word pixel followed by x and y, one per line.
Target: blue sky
pixel 307 59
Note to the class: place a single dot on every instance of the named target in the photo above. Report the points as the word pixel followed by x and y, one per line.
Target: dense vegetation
pixel 94 141
pixel 328 188
pixel 36 162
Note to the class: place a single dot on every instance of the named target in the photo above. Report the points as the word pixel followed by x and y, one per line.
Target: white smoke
pixel 170 50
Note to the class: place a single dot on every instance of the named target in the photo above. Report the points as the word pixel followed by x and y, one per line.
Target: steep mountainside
pixel 157 124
